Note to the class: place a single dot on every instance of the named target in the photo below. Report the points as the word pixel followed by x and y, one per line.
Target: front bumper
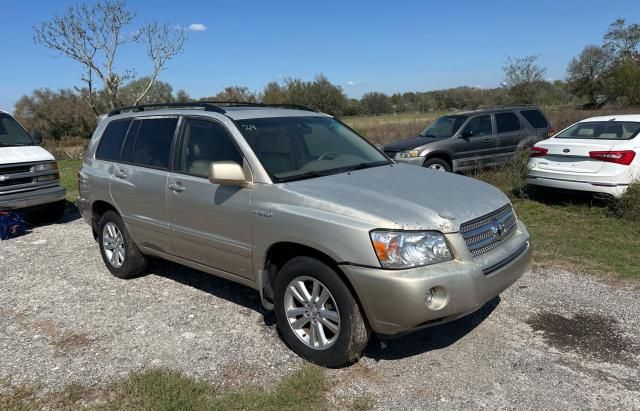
pixel 32 198
pixel 394 300
pixel 414 161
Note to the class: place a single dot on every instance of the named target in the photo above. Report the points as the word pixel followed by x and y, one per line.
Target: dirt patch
pixel 588 334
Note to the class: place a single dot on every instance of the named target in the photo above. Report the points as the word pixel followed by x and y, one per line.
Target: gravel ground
pixel 554 340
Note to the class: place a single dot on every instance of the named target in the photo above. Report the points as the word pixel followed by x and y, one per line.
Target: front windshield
pixel 295 148
pixel 602 130
pixel 445 126
pixel 11 133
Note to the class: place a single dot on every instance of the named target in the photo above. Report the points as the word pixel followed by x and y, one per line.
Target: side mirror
pixel 37 136
pixel 467 134
pixel 379 146
pixel 227 173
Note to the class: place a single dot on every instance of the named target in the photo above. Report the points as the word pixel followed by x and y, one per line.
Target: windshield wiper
pixel 361 166
pixel 305 175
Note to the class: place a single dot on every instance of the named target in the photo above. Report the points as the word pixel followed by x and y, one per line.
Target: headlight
pixel 405 249
pixel 46 166
pixel 409 153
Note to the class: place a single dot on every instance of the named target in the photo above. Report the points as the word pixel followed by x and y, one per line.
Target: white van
pixel 29 178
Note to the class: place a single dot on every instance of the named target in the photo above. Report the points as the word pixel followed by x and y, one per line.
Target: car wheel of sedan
pixel 120 254
pixel 437 164
pixel 317 315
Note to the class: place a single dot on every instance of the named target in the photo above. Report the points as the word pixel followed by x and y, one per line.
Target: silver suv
pixel 339 240
pixel 473 139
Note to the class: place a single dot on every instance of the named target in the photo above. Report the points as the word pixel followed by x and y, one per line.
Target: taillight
pixel 537 151
pixel 619 157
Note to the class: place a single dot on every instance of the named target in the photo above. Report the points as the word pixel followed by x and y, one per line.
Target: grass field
pixel 169 390
pixel 68 177
pixel 575 233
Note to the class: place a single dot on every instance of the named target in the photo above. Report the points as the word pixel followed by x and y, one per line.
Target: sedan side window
pixel 478 126
pixel 204 142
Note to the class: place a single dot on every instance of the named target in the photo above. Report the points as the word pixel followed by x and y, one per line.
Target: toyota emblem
pixel 497 228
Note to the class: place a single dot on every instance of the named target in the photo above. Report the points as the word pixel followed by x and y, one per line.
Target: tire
pixel 437 164
pixel 132 262
pixel 342 347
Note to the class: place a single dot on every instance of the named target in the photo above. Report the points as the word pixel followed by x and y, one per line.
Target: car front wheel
pixel 437 164
pixel 317 315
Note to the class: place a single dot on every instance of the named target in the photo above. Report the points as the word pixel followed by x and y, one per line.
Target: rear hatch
pixel 572 155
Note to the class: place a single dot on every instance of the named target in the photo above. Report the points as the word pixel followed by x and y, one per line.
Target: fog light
pixel 428 297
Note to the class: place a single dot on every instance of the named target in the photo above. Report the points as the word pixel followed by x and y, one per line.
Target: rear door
pixel 510 133
pixel 139 180
pixel 476 147
pixel 210 223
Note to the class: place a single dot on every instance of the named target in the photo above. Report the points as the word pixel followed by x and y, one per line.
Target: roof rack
pixel 214 106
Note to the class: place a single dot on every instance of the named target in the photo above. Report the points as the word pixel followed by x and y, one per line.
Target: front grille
pixel 15 181
pixel 488 232
pixel 16 169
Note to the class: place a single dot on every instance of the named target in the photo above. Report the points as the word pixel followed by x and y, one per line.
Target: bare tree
pixel 92 35
pixel 521 77
pixel 623 40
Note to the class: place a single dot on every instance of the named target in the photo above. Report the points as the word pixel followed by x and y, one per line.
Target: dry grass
pixel 563 117
pixel 389 128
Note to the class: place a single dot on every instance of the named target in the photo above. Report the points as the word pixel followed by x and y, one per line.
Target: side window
pixel 535 118
pixel 507 122
pixel 111 140
pixel 204 142
pixel 152 144
pixel 478 126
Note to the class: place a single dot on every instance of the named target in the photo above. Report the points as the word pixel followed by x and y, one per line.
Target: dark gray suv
pixel 473 139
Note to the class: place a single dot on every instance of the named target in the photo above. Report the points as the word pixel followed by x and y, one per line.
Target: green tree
pixel 57 114
pixel 587 73
pixel 375 103
pixel 236 93
pixel 160 92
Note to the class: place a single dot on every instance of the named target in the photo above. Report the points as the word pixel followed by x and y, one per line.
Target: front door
pixel 210 223
pixel 476 147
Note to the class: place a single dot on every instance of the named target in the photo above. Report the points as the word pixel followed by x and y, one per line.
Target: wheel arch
pixel 98 208
pixel 443 155
pixel 278 254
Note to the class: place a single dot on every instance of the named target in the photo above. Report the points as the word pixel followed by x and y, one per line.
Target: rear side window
pixel 111 141
pixel 535 118
pixel 152 144
pixel 507 122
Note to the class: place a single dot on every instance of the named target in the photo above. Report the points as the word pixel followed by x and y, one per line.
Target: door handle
pixel 177 188
pixel 120 173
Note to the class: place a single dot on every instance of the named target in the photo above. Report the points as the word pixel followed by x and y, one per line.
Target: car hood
pixel 410 143
pixel 405 197
pixel 23 154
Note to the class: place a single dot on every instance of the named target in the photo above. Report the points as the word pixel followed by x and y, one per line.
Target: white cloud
pixel 197 27
pixel 351 83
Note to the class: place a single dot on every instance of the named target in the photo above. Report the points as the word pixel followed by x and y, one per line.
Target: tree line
pixel 92 34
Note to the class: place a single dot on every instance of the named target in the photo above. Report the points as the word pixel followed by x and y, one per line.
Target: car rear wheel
pixel 317 315
pixel 437 164
pixel 120 254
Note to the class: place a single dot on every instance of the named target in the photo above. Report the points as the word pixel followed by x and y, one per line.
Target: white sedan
pixel 599 155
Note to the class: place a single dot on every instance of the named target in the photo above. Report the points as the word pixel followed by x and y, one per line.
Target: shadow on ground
pixel 216 286
pixel 429 339
pixel 413 344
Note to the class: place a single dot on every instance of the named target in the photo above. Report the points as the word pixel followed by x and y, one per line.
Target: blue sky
pixel 360 45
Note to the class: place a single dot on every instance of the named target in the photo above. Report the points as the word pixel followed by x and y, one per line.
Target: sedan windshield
pixel 12 133
pixel 445 126
pixel 295 148
pixel 602 130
